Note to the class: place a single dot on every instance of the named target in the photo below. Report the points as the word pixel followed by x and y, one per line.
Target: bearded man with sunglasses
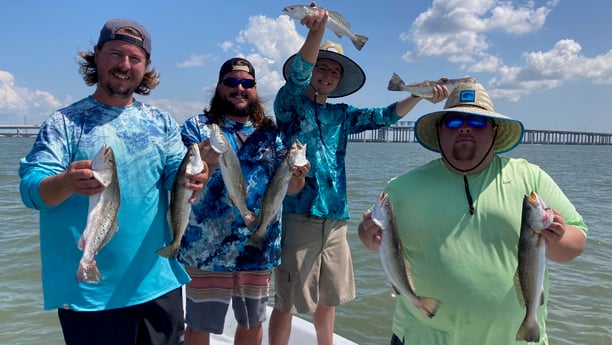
pixel 214 248
pixel 459 219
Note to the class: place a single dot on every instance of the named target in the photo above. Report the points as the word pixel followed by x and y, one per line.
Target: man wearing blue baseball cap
pixel 127 294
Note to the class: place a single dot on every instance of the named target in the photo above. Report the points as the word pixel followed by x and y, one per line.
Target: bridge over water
pixel 405 134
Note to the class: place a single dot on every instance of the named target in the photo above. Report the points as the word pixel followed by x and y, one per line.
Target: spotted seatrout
pixel 397 268
pixel 335 22
pixel 101 217
pixel 179 199
pixel 277 189
pixel 231 171
pixel 425 88
pixel 532 264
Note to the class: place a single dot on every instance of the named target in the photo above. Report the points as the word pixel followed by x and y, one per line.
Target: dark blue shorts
pixel 157 322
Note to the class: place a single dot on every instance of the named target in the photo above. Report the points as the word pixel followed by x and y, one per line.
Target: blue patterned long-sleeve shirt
pixel 216 236
pixel 148 151
pixel 325 129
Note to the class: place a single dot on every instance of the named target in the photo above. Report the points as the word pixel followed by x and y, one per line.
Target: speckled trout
pixel 179 200
pixel 101 217
pixel 397 268
pixel 335 22
pixel 276 190
pixel 425 88
pixel 231 171
pixel 532 264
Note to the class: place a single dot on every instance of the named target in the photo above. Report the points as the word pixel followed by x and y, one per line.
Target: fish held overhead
pixel 336 22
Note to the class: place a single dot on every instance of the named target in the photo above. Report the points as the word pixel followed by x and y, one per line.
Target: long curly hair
pixel 218 108
pixel 87 68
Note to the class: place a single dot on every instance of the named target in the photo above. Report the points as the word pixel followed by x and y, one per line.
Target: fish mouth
pixel 532 199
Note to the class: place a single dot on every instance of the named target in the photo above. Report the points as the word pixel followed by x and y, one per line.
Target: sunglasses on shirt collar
pixel 233 82
pixel 456 120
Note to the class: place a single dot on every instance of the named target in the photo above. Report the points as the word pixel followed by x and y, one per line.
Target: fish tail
pixel 255 240
pixel 396 83
pixel 170 251
pixel 429 306
pixel 529 331
pixel 88 272
pixel 359 41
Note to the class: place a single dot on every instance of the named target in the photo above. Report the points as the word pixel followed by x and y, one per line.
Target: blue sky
pixel 546 63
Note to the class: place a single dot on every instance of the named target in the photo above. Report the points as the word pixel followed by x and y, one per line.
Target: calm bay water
pixel 580 307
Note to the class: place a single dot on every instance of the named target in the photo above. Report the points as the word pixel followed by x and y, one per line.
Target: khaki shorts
pixel 316 265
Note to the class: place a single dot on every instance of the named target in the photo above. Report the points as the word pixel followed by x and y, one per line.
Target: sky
pixel 546 63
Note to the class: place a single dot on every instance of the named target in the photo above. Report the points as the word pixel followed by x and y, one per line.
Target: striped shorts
pixel 209 295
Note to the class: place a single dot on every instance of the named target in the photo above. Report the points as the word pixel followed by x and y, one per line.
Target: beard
pixel 224 106
pixel 464 152
pixel 119 90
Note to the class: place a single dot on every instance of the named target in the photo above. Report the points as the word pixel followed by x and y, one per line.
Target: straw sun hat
pixel 353 77
pixel 470 98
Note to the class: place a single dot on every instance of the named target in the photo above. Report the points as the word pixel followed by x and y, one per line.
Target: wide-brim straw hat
pixel 353 77
pixel 470 98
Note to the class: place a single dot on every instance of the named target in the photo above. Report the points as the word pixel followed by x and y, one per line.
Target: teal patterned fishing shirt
pixel 216 236
pixel 325 129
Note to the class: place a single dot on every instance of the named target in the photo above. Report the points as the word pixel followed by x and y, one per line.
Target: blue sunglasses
pixel 233 82
pixel 454 121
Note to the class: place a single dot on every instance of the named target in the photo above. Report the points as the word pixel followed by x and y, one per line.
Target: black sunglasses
pixel 233 82
pixel 454 121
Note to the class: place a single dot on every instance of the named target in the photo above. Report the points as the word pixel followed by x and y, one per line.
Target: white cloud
pixel 194 60
pixel 17 102
pixel 457 29
pixel 549 69
pixel 460 31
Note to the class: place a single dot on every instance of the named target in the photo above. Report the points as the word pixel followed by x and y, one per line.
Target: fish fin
pixel 396 83
pixel 104 178
pixel 88 273
pixel 83 240
pixel 408 268
pixel 359 41
pixel 519 290
pixel 255 241
pixel 170 251
pixel 339 18
pixel 528 331
pixel 429 306
pixel 397 292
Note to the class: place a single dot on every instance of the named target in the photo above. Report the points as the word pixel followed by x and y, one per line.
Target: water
pixel 580 307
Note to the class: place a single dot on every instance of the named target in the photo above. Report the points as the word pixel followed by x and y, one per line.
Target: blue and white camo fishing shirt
pixel 216 236
pixel 325 129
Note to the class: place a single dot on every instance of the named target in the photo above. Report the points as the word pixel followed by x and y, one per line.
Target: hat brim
pixel 353 77
pixel 509 131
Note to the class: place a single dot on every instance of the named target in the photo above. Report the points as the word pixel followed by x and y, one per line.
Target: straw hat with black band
pixel 353 77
